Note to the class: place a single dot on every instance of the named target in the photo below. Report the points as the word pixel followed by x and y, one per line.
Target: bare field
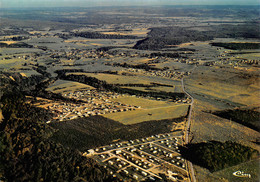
pixel 252 56
pixel 140 115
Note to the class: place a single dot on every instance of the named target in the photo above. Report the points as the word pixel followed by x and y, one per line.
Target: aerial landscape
pixel 135 91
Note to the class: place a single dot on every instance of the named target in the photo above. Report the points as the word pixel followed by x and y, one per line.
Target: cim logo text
pixel 241 174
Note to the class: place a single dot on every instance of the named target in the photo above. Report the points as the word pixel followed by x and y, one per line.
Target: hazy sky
pixel 89 3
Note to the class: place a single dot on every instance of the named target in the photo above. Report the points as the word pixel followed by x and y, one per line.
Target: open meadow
pixel 63 86
pixel 148 114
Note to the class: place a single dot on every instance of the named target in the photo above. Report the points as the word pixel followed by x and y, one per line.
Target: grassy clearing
pixel 138 61
pixel 18 50
pixel 144 103
pixel 162 88
pixel 141 115
pixel 116 79
pixel 28 73
pixel 250 56
pixel 11 61
pixel 62 86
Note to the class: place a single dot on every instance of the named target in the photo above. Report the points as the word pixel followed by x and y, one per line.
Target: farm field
pixel 143 102
pixel 149 114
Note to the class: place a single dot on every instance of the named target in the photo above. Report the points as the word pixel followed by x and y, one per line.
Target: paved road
pixel 186 140
pixel 190 111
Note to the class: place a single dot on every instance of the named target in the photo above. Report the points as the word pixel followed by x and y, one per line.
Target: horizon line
pixel 129 6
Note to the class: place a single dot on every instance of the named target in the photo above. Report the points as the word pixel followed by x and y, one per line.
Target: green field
pixel 116 79
pixel 140 115
pixel 61 86
pixel 143 102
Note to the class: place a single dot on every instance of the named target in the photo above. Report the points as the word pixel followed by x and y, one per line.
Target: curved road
pixel 186 139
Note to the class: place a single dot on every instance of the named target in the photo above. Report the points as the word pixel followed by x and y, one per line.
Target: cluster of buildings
pixel 160 73
pixel 76 54
pixel 233 63
pixel 151 158
pixel 92 103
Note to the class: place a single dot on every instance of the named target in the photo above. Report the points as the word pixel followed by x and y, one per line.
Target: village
pixel 92 103
pixel 151 158
pixel 165 74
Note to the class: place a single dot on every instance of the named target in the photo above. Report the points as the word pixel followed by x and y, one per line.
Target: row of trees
pixel 95 35
pixel 16 45
pixel 246 117
pixel 237 46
